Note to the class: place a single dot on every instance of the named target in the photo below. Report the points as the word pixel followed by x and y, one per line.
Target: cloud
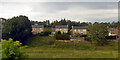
pixel 59 0
pixel 75 11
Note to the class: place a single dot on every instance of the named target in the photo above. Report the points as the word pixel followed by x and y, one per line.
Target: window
pixel 75 30
pixel 60 29
pixel 84 30
pixel 40 28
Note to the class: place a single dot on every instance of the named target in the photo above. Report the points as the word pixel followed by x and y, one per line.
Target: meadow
pixel 47 47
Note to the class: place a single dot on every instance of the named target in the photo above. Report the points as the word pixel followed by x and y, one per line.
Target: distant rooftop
pixel 61 26
pixel 79 27
pixel 37 26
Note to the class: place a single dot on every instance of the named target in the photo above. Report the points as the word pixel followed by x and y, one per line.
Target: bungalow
pixel 37 29
pixel 79 30
pixel 61 28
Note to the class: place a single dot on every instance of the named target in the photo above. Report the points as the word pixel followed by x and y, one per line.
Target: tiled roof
pixel 79 27
pixel 37 26
pixel 61 26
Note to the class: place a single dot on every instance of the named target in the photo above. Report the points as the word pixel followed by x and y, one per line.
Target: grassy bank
pixel 47 47
pixel 42 52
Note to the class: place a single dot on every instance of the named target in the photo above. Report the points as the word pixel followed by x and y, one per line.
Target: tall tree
pixel 18 28
pixel 98 33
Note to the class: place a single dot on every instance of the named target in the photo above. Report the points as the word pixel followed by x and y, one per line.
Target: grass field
pixel 40 47
pixel 42 52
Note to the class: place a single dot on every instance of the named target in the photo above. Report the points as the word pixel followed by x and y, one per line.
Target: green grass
pixel 41 41
pixel 47 47
pixel 42 52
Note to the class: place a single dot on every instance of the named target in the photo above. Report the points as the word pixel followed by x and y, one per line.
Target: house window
pixel 75 30
pixel 78 30
pixel 84 30
pixel 40 28
pixel 60 29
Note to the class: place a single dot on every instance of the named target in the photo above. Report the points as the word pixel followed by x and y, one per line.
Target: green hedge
pixel 60 36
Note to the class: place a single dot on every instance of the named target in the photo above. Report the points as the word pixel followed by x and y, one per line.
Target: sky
pixel 41 10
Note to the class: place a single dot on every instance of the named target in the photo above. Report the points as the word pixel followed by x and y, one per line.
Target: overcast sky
pixel 76 11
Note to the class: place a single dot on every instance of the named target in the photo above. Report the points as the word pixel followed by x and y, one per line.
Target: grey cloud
pixel 56 10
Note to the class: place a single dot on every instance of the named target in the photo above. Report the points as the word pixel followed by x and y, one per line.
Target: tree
pixel 98 33
pixel 18 28
pixel 57 35
pixel 12 49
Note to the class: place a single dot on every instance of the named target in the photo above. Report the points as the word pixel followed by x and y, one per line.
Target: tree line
pixel 19 27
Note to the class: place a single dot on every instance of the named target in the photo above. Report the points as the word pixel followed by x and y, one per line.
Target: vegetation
pixel 62 36
pixel 98 33
pixel 12 50
pixel 17 28
pixel 87 39
pixel 43 52
pixel 46 33
pixel 44 46
pixel 40 47
pixel 41 41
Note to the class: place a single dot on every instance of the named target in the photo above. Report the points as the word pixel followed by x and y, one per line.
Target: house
pixel 37 29
pixel 61 28
pixel 113 31
pixel 79 30
pixel 53 30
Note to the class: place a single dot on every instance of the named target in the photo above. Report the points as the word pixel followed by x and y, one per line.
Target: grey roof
pixel 79 27
pixel 37 26
pixel 61 26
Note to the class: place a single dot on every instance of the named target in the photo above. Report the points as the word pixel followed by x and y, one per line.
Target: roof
pixel 61 26
pixel 79 27
pixel 37 26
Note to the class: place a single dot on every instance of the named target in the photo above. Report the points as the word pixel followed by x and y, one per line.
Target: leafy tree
pixel 12 50
pixel 19 28
pixel 98 33
pixel 65 37
pixel 57 35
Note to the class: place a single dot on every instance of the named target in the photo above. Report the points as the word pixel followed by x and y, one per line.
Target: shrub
pixel 87 39
pixel 83 35
pixel 65 37
pixel 77 35
pixel 46 33
pixel 12 50
pixel 77 46
pixel 57 35
pixel 60 36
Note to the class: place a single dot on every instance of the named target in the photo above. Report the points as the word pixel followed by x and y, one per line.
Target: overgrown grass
pixel 41 41
pixel 47 47
pixel 43 52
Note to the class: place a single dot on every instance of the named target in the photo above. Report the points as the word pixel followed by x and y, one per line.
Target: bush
pixel 60 36
pixel 12 50
pixel 87 39
pixel 57 35
pixel 65 37
pixel 83 35
pixel 111 37
pixel 78 35
pixel 77 46
pixel 46 33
